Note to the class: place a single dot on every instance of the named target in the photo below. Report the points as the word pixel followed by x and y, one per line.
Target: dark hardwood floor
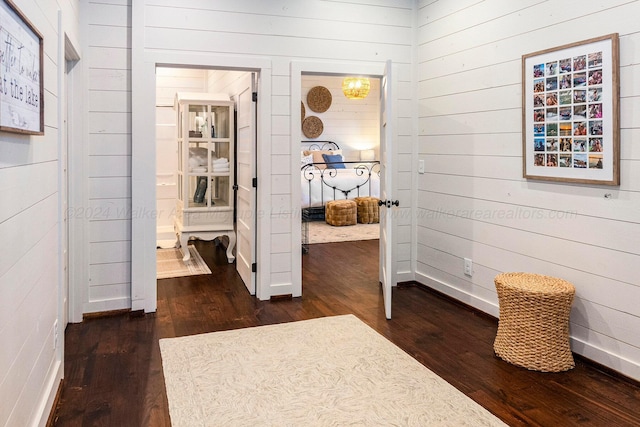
pixel 113 370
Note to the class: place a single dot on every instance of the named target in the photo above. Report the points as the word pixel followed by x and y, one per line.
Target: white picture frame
pixel 21 73
pixel 571 120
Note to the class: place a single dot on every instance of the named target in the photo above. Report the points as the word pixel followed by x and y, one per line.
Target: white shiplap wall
pixel 354 124
pixel 473 201
pixel 107 218
pixel 312 30
pixel 30 288
pixel 169 81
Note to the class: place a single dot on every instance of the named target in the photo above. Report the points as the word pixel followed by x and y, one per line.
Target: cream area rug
pixel 321 232
pixel 332 371
pixel 170 264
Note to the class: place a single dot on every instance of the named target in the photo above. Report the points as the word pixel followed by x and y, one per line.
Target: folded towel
pixel 221 160
pixel 220 170
pixel 198 156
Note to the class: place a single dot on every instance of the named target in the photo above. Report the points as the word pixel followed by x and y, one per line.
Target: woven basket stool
pixel 368 210
pixel 533 329
pixel 341 212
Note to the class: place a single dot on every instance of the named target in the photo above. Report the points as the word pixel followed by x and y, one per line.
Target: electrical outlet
pixel 468 267
pixel 55 334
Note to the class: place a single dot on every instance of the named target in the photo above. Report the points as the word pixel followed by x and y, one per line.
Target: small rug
pixel 321 232
pixel 331 371
pixel 170 264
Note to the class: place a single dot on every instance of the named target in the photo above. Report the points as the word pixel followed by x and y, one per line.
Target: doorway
pixel 387 119
pixel 351 131
pixel 237 86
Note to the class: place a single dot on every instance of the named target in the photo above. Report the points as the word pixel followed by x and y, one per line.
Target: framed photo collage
pixel 570 107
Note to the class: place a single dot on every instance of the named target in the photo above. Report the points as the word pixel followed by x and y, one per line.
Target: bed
pixel 325 176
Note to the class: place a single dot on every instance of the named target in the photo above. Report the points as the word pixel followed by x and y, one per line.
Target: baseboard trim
pixel 616 366
pixel 460 295
pixel 46 408
pixel 607 370
pixel 404 276
pixel 106 305
pixel 276 298
pixel 440 294
pixel 52 412
pixel 285 289
pixel 107 313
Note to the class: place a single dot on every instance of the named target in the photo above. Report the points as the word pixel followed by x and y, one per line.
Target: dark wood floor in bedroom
pixel 113 371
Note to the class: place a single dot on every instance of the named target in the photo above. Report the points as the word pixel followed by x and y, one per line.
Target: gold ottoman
pixel 533 329
pixel 368 210
pixel 341 212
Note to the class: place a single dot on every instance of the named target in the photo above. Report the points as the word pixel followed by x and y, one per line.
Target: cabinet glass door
pixel 208 191
pixel 219 191
pixel 199 121
pixel 220 120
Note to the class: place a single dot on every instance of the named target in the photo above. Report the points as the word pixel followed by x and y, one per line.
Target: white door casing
pixel 143 174
pixel 75 199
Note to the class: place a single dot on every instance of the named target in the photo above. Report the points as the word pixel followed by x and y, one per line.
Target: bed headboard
pixel 319 145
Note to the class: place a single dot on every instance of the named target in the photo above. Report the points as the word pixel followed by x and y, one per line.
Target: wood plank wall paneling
pixel 468 65
pixel 473 201
pixel 370 31
pixel 29 226
pixel 108 209
pixel 353 124
pixel 310 18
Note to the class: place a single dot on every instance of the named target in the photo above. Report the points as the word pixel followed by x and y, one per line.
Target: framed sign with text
pixel 570 107
pixel 21 63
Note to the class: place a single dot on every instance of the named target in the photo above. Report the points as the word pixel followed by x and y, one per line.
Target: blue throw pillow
pixel 335 160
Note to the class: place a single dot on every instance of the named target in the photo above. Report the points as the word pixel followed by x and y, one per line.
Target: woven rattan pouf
pixel 368 210
pixel 341 212
pixel 533 329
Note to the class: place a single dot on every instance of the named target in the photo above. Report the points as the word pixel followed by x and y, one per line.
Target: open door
pixel 246 172
pixel 386 203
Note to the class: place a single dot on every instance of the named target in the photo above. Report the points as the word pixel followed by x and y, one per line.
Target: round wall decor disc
pixel 312 127
pixel 302 111
pixel 319 99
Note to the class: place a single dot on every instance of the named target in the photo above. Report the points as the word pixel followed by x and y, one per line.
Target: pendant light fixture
pixel 356 87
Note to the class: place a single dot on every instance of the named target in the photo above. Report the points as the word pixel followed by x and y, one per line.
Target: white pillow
pixel 307 159
pixel 317 156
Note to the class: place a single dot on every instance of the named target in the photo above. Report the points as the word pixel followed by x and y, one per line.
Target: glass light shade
pixel 356 87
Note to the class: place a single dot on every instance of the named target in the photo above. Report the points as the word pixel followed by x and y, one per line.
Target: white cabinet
pixel 205 137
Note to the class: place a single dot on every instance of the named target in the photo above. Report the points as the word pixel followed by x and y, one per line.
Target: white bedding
pixel 345 179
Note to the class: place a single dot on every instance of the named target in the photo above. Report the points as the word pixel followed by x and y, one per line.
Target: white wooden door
pixel 246 194
pixel 386 145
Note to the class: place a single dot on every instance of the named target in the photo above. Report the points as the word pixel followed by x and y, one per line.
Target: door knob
pixel 388 203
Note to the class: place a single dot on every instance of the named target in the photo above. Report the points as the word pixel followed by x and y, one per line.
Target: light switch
pixel 468 267
pixel 420 166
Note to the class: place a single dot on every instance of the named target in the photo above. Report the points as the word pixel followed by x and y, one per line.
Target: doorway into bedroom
pixel 346 132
